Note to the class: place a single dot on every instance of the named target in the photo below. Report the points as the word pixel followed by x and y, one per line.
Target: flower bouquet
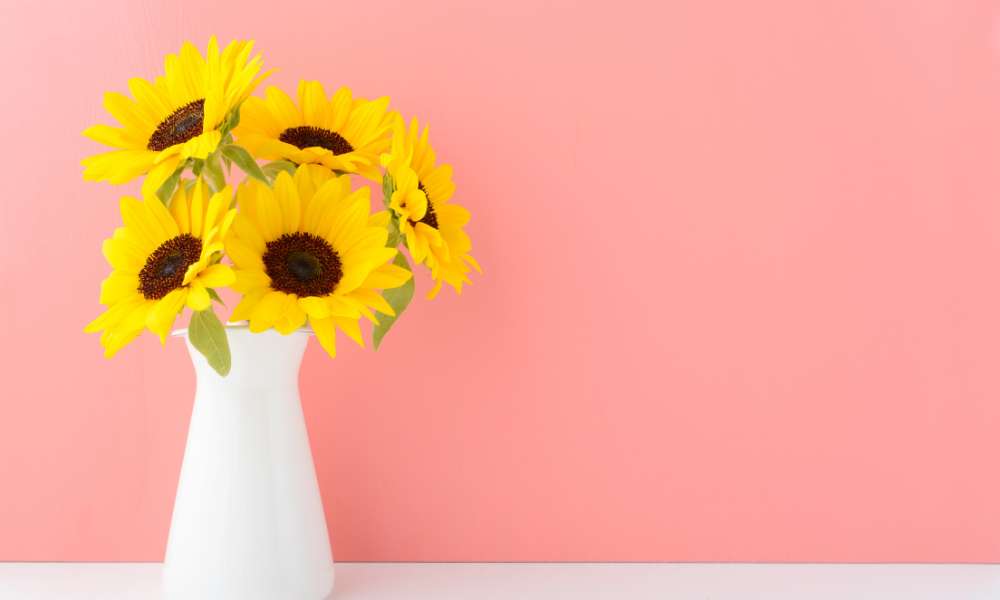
pixel 298 242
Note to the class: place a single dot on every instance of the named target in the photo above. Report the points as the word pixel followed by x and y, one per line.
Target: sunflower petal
pixel 387 276
pixel 315 307
pixel 242 255
pixel 351 328
pixel 118 286
pixel 314 104
pixel 198 298
pixel 217 276
pixel 270 308
pixel 287 197
pixel 247 305
pixel 164 312
pixel 324 331
pixel 291 319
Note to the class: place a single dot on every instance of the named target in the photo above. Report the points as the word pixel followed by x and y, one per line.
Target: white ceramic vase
pixel 248 521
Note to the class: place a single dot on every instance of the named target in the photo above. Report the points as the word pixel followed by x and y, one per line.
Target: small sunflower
pixel 177 116
pixel 342 133
pixel 309 249
pixel 162 260
pixel 431 223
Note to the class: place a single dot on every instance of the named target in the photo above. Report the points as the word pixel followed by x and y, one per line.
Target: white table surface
pixel 538 581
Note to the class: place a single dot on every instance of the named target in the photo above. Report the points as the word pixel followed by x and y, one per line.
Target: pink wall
pixel 741 298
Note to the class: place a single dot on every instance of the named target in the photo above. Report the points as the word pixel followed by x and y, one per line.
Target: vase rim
pixel 242 325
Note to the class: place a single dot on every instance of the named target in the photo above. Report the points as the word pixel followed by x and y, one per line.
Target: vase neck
pixel 263 359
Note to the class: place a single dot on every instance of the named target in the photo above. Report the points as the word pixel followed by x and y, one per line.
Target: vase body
pixel 248 521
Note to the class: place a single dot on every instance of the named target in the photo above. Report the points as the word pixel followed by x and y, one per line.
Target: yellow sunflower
pixel 431 223
pixel 341 132
pixel 177 116
pixel 162 260
pixel 309 249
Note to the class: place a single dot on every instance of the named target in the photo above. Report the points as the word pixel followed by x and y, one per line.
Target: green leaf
pixel 166 190
pixel 213 172
pixel 209 336
pixel 244 161
pixel 215 296
pixel 228 139
pixel 398 298
pixel 232 120
pixel 394 236
pixel 272 169
pixel 388 189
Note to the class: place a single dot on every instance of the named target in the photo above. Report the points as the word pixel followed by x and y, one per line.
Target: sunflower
pixel 342 133
pixel 177 116
pixel 431 223
pixel 162 260
pixel 309 249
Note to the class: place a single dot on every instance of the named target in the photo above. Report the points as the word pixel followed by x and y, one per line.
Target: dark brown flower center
pixel 430 217
pixel 309 137
pixel 302 264
pixel 165 267
pixel 182 125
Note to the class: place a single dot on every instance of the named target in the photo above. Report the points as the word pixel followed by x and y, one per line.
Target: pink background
pixel 741 298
